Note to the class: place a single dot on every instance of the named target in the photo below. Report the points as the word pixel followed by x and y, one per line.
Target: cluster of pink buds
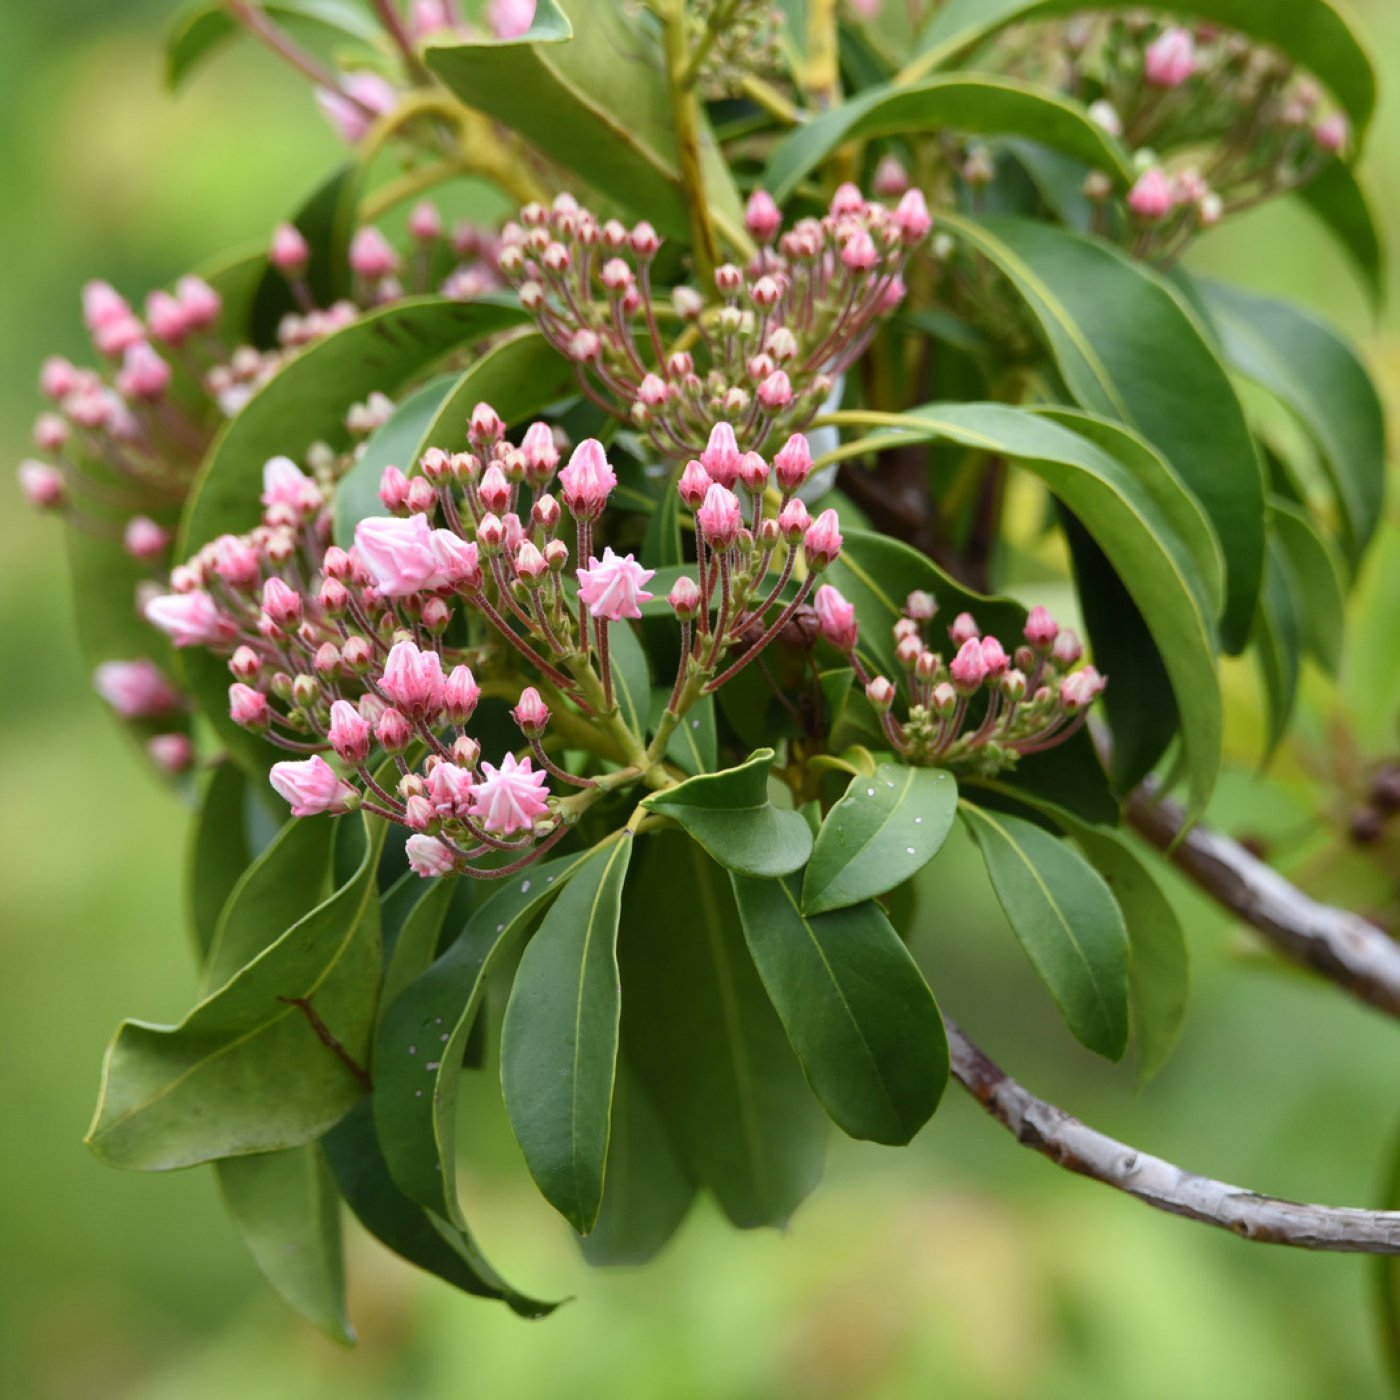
pixel 760 350
pixel 348 651
pixel 982 710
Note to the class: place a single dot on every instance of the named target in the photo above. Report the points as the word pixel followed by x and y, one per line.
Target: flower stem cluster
pixel 731 40
pixel 760 350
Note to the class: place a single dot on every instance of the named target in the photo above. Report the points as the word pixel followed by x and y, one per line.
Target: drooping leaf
pixel 1066 920
pixel 1309 368
pixel 418 1052
pixel 1278 630
pixel 647 1193
pixel 661 546
pixel 247 1071
pixel 592 95
pixel 560 1035
pixel 357 1161
pixel 1336 197
pixel 855 1006
pixel 518 378
pixel 1311 32
pixel 411 941
pixel 286 1207
pixel 731 816
pixel 1320 574
pixel 882 831
pixel 218 851
pixel 1129 347
pixel 980 103
pixel 704 1039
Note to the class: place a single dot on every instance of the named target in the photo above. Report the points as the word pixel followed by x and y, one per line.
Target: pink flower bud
pixel 494 489
pixel 450 790
pixel 103 305
pixel 352 111
pixel 418 812
pixel 837 618
pixel 144 539
pixel 531 713
pixel 372 256
pixel 1041 629
pixel 891 178
pixel 793 464
pixel 775 393
pixel 510 798
pixel 245 664
pixel 422 497
pixel 349 733
pixel 425 222
pixel 927 666
pixel 199 302
pixel 720 517
pixel 393 731
pixel 1333 133
pixel 585 346
pixel 135 689
pixel 485 427
pixel 50 432
pixel 945 699
pixel 281 604
pixel 529 562
pixel 753 472
pixel 766 293
pixel 427 856
pixel 58 378
pixel 646 243
pixel 729 280
pixel 762 217
pixel 541 454
pixel 490 534
pixel 721 456
pixel 398 554
pixel 794 521
pixel 1013 685
pixel 881 694
pixel 286 485
pixel 290 252
pixel 311 786
pixel 1067 648
pixel 393 489
pixel 236 562
pixel 613 589
pixel 822 542
pixel 460 695
pixel 693 484
pixel 1151 197
pixel 436 615
pixel 968 668
pixel 355 655
pixel 509 19
pixel 964 629
pixel 190 619
pixel 921 606
pixel 616 276
pixel 911 217
pixel 859 253
pixel 165 318
pixel 413 680
pixel 171 753
pixel 1170 58
pixel 143 375
pixel 588 480
pixel 994 657
pixel 1080 690
pixel 653 391
pixel 248 707
pixel 906 627
pixel 847 200
pixel 689 304
pixel 907 651
pixel 684 598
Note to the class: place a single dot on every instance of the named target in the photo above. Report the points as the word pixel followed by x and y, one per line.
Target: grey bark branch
pixel 1341 946
pixel 1078 1148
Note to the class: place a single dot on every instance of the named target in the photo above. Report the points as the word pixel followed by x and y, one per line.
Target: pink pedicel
pixel 312 786
pixel 613 587
pixel 510 798
pixel 135 689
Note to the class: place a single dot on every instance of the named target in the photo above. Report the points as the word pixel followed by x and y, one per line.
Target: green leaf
pixel 202 29
pixel 245 1071
pixel 883 830
pixel 1320 574
pixel 218 851
pixel 1278 643
pixel 661 545
pixel 631 676
pixel 273 894
pixel 646 1190
pixel 1129 347
pixel 286 1207
pixel 422 1037
pixel 559 1037
pixel 1311 32
pixel 592 95
pixel 965 102
pixel 730 815
pixel 415 1234
pixel 855 1007
pixel 1337 198
pixel 1066 920
pixel 704 1039
pixel 411 938
pixel 518 378
pixel 1310 369
pixel 1121 512
pixel 694 743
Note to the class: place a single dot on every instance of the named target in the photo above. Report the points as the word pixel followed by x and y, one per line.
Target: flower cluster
pixel 731 40
pixel 982 710
pixel 761 350
pixel 363 650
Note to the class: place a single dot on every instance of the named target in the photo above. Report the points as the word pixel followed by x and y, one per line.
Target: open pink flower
pixel 311 785
pixel 135 689
pixel 398 554
pixel 613 587
pixel 450 790
pixel 510 798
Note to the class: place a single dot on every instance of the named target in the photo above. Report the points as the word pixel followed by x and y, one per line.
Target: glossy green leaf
pixel 357 1162
pixel 1311 32
pixel 1278 643
pixel 1309 368
pixel 1320 575
pixel 694 743
pixel 631 675
pixel 411 936
pixel 286 1207
pixel 518 378
pixel 705 1040
pixel 246 1071
pixel 218 851
pixel 560 1034
pixel 1067 922
pixel 980 103
pixel 730 815
pixel 661 546
pixel 1129 347
pixel 593 96
pixel 855 1007
pixel 647 1193
pixel 424 1033
pixel 1337 198
pixel 882 831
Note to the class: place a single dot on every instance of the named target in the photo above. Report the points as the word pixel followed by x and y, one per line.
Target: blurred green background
pixel 963 1266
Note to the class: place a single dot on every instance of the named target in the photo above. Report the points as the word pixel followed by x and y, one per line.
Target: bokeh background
pixel 962 1267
